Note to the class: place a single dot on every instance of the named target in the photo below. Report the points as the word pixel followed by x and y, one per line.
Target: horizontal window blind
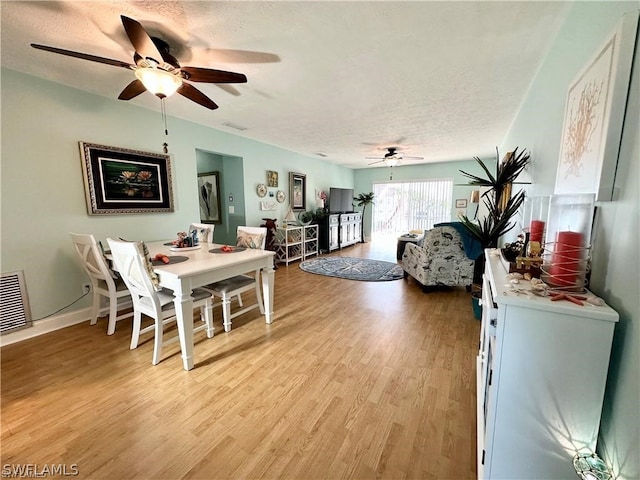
pixel 411 205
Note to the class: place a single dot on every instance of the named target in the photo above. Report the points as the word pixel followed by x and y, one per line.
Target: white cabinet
pixel 296 243
pixel 350 228
pixel 333 232
pixel 541 375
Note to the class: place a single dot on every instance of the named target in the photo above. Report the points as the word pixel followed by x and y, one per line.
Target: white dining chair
pixel 205 231
pixel 104 283
pixel 133 262
pixel 248 237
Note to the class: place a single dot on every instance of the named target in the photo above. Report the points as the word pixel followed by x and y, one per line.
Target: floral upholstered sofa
pixel 439 260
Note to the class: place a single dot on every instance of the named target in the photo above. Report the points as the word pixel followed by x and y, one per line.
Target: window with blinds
pixel 411 205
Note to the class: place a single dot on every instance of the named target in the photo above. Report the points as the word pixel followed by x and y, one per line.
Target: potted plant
pixel 363 199
pixel 305 217
pixel 319 215
pixel 501 204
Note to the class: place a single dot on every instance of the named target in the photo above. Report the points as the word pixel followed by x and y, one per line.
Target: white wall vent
pixel 14 303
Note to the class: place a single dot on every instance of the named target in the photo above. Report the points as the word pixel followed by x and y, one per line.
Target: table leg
pixel 267 292
pixel 184 317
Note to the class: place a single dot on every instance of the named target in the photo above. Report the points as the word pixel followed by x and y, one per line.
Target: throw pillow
pixel 114 274
pixel 152 275
pixel 201 233
pixel 250 240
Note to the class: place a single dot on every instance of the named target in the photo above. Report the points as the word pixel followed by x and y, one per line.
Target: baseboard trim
pixel 47 325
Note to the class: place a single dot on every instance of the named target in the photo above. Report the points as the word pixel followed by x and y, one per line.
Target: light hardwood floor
pixel 355 380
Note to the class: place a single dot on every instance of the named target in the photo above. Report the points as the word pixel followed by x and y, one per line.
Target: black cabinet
pixel 340 230
pixel 330 233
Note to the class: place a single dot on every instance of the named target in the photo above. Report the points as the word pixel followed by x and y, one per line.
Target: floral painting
pixel 121 181
pixel 594 116
pixel 126 181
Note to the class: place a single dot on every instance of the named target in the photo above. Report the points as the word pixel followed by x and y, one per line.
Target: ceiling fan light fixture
pixel 391 162
pixel 159 82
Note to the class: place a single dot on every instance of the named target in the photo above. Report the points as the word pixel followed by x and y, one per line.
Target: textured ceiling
pixel 440 80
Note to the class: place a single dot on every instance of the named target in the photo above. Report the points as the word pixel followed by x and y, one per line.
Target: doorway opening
pixel 230 175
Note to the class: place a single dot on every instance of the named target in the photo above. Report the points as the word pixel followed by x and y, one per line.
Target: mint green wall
pixel 42 196
pixel 231 187
pixel 365 178
pixel 233 195
pixel 616 265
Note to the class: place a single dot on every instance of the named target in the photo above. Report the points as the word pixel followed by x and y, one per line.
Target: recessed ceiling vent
pixel 14 303
pixel 234 126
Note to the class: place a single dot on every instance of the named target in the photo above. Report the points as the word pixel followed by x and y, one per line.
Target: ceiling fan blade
pixel 140 39
pixel 208 75
pixel 413 158
pixel 132 90
pixel 83 56
pixel 375 163
pixel 195 95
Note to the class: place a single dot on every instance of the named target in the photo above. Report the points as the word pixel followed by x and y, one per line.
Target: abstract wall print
pixel 298 191
pixel 209 197
pixel 594 116
pixel 121 181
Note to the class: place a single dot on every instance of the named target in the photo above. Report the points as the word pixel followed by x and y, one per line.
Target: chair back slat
pixel 130 261
pixel 90 254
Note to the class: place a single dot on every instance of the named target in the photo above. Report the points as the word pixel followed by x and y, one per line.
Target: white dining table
pixel 202 268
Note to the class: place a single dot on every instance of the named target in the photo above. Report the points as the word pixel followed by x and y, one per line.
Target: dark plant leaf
pixel 498 220
pixel 364 199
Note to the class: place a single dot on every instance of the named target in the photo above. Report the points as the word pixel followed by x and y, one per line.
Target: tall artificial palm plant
pixel 498 199
pixel 362 200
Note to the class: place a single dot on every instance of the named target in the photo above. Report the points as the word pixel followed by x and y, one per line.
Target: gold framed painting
pixel 121 181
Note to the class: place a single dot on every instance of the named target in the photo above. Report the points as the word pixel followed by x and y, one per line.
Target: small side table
pixel 402 242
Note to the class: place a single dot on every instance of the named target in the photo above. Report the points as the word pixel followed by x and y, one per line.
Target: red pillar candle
pixel 565 262
pixel 536 230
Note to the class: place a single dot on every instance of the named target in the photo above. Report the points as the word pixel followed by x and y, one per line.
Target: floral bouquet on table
pixel 185 240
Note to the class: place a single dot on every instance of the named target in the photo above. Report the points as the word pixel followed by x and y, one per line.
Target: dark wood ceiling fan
pixel 156 69
pixel 392 157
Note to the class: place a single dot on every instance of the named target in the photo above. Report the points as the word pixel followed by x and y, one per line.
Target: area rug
pixel 363 269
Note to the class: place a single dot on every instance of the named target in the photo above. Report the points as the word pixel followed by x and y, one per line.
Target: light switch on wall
pixel 232 209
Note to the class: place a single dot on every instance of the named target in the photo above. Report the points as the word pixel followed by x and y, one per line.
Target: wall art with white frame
pixel 594 116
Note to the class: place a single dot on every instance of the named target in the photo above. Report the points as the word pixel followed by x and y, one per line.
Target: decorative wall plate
pixel 280 196
pixel 261 190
